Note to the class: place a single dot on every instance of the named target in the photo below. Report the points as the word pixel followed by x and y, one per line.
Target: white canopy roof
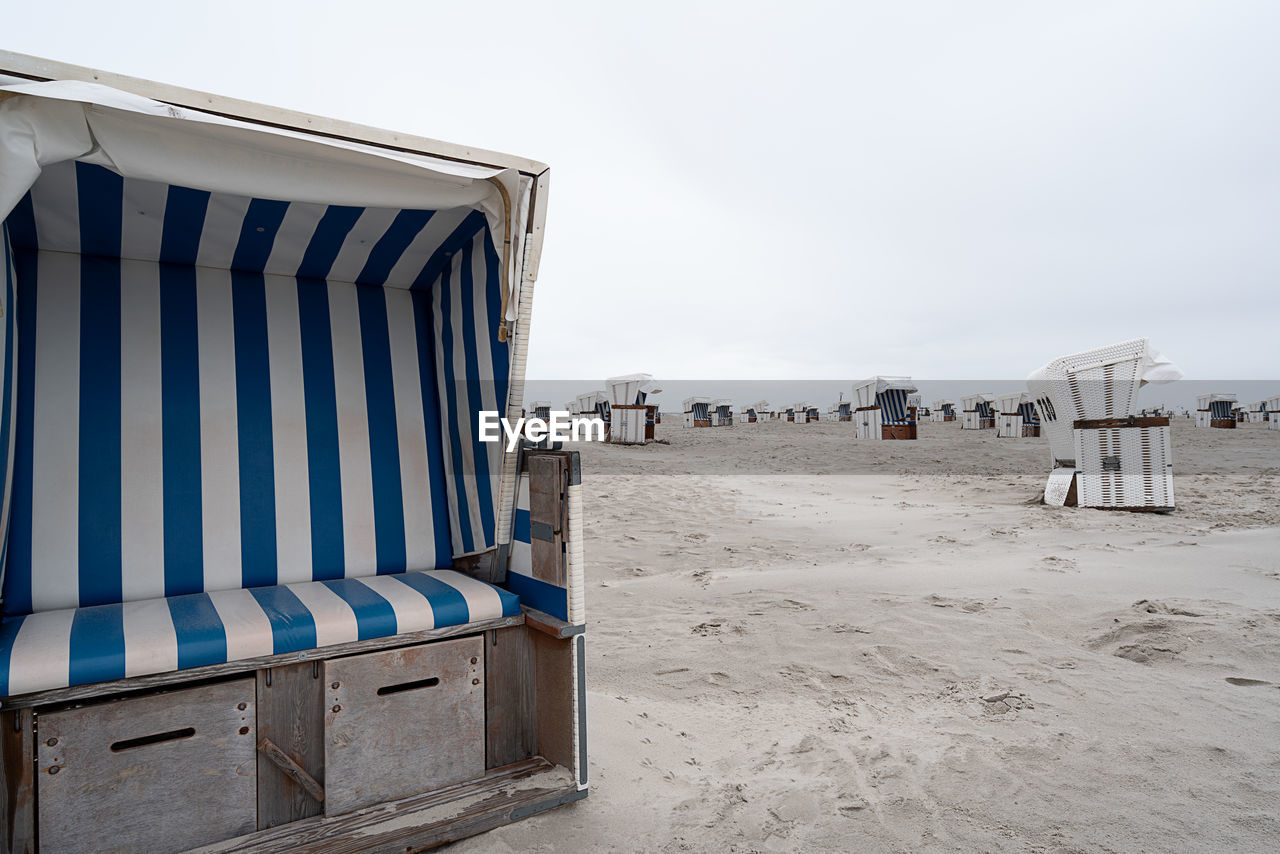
pixel 42 124
pixel 624 390
pixel 690 401
pixel 1154 367
pixel 761 406
pixel 865 392
pixel 1205 399
pixel 1011 401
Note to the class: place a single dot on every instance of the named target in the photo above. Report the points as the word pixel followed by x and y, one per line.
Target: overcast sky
pixel 816 191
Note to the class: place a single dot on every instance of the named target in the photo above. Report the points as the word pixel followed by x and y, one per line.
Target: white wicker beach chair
pixel 697 412
pixel 977 411
pixel 1103 454
pixel 1015 416
pixel 631 416
pixel 881 410
pixel 943 410
pixel 1216 410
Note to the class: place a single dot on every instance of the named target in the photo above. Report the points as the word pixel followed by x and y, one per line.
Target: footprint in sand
pixel 1247 683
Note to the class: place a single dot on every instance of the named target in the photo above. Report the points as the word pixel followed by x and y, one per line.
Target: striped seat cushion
pixel 80 646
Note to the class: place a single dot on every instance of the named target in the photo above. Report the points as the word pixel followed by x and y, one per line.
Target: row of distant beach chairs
pixel 1105 452
pixel 1223 411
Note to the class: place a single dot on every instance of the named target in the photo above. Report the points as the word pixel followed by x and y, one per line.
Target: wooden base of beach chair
pixel 1030 431
pixel 897 431
pixel 1223 423
pixel 384 749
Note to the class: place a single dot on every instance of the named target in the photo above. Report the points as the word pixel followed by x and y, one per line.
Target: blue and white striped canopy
pixel 241 372
pixel 216 391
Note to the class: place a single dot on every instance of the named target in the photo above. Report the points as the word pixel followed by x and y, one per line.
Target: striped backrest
pixel 1221 408
pixel 213 393
pixel 893 405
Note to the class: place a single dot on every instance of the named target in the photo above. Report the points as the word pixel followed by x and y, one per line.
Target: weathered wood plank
pixel 549 625
pixel 510 709
pixel 292 769
pixel 142 683
pixel 554 693
pixel 17 782
pixel 291 716
pixel 110 774
pixel 402 722
pixel 547 508
pixel 502 796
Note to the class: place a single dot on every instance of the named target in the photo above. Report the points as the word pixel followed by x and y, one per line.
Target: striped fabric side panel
pixel 533 592
pixel 893 403
pixel 373 246
pixel 1220 408
pixel 472 369
pixel 63 648
pixel 1028 412
pixel 210 430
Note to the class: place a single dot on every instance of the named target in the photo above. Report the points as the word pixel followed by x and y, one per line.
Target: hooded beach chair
pixel 1257 412
pixel 540 409
pixel 943 410
pixel 594 404
pixel 697 412
pixel 1216 410
pixel 1273 412
pixel 631 416
pixel 1016 416
pixel 264 587
pixel 1104 455
pixel 757 412
pixel 881 408
pixel 977 412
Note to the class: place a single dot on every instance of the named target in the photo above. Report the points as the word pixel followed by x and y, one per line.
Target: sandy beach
pixel 802 642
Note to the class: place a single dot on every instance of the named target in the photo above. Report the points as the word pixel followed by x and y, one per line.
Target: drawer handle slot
pixel 146 740
pixel 408 686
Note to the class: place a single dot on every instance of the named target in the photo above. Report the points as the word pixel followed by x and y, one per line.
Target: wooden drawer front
pixel 403 722
pixel 156 774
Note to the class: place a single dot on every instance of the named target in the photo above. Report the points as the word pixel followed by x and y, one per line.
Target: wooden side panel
pixel 548 476
pixel 554 692
pixel 291 714
pixel 511 722
pixel 17 781
pixel 159 774
pixel 403 722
